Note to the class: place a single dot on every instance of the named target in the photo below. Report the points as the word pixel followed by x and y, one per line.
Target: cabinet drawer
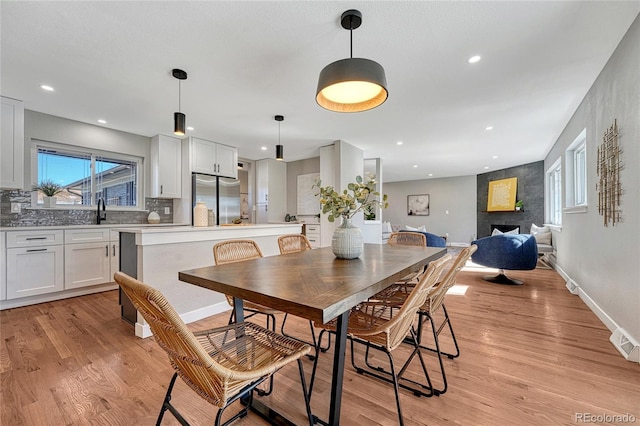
pixel 114 236
pixel 72 236
pixel 311 229
pixel 314 240
pixel 17 239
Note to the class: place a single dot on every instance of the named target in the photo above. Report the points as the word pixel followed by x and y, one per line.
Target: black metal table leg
pixel 338 369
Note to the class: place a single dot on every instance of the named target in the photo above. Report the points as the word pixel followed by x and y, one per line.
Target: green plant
pixel 346 204
pixel 369 212
pixel 519 203
pixel 48 187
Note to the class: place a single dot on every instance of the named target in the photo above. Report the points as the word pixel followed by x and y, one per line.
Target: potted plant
pixel 49 189
pixel 347 238
pixel 519 205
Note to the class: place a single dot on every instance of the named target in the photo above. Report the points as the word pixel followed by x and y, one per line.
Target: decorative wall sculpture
pixel 609 186
pixel 502 195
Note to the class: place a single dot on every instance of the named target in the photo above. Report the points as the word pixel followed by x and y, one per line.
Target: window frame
pixel 94 153
pixel 553 193
pixel 577 175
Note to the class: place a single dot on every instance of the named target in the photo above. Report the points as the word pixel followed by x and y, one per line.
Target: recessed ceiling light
pixel 430 174
pixel 489 128
pixel 486 167
pixel 399 143
pixel 47 88
pixel 415 166
pixel 101 121
pixel 264 148
pixel 190 128
pixel 474 59
pixel 494 157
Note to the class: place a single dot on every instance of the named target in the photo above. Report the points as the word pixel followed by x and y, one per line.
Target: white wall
pixel 457 195
pixel 603 260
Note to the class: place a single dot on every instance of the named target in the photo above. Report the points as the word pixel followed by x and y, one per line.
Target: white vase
pixel 49 201
pixel 200 214
pixel 347 241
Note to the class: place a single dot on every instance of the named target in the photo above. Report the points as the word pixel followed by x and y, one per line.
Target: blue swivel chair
pixel 506 251
pixel 433 240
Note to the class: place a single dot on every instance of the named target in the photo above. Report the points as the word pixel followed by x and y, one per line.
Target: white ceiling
pixel 248 61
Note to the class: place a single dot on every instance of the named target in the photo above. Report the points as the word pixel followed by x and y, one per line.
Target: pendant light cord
pixel 351 36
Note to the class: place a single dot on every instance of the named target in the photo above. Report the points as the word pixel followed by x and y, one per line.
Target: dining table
pixel 317 286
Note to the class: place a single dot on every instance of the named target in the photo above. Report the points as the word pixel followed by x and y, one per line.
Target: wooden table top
pixel 314 284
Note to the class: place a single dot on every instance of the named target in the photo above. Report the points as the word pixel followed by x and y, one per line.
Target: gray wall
pixel 530 191
pixel 457 195
pixel 295 168
pixel 603 260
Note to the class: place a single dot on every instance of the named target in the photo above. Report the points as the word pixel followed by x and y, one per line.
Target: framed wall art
pixel 418 205
pixel 502 195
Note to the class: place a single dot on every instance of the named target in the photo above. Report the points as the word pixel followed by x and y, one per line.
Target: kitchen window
pixel 87 176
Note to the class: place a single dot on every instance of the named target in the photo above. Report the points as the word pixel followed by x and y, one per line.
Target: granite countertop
pixel 106 225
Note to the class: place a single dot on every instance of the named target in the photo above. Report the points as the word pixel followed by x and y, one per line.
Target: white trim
pixel 58 295
pixel 608 322
pixel 576 209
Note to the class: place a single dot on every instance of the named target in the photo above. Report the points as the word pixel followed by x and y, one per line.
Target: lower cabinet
pixel 86 264
pixel 34 270
pixel 313 235
pixel 114 259
pixel 3 267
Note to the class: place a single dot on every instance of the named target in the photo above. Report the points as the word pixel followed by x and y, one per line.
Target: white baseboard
pixel 619 337
pixel 143 330
pixel 457 244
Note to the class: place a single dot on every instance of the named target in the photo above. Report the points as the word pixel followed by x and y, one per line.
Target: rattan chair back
pixel 407 239
pixel 235 251
pixel 375 323
pixel 235 355
pixel 437 294
pixel 293 243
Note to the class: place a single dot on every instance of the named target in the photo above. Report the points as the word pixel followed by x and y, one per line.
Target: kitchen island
pixel 156 255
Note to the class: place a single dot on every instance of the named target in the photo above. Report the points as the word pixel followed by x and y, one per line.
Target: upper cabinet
pixel 212 158
pixel 12 144
pixel 166 167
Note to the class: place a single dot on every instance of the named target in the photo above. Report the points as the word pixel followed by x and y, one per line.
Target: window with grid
pixel 87 176
pixel 554 193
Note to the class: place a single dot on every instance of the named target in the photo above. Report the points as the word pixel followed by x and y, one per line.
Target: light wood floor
pixel 531 355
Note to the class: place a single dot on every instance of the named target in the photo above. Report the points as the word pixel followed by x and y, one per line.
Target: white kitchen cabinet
pixel 87 257
pixel 35 263
pixel 12 144
pixel 3 267
pixel 271 185
pixel 212 158
pixel 166 167
pixel 312 231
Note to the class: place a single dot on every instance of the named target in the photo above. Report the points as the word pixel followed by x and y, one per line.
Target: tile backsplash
pixel 29 216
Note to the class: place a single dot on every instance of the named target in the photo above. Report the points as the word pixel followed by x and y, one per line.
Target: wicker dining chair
pixel 221 364
pixel 407 239
pixel 431 306
pixel 294 243
pixel 371 324
pixel 237 251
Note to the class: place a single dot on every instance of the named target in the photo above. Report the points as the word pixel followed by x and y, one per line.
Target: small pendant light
pixel 352 84
pixel 279 147
pixel 179 119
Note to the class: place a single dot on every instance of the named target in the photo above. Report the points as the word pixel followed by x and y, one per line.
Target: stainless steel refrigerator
pixel 220 194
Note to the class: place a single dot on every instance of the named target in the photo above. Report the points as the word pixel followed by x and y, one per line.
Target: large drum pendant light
pixel 179 119
pixel 279 147
pixel 352 84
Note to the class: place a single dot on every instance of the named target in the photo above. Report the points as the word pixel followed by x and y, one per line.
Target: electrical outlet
pixel 15 207
pixel 167 210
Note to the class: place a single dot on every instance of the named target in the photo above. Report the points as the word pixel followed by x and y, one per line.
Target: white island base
pixel 156 255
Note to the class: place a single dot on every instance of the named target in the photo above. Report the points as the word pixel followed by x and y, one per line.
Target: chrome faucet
pixel 102 215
